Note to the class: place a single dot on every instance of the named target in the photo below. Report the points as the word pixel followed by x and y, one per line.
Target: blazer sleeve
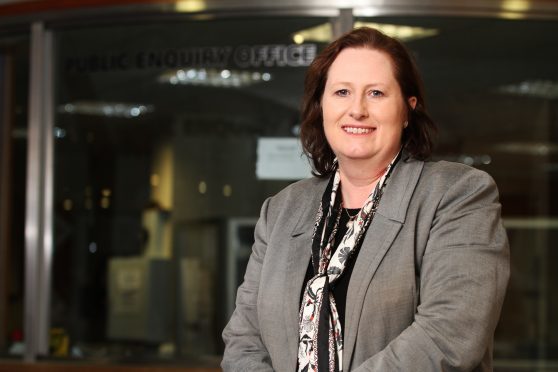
pixel 244 349
pixel 463 279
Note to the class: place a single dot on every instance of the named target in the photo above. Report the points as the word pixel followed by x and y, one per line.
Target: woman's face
pixel 364 111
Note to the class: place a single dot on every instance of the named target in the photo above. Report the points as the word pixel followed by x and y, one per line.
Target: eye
pixel 342 92
pixel 376 93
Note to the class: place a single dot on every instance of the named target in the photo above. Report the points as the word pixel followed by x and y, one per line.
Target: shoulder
pixel 449 173
pixel 451 169
pixel 294 200
pixel 300 192
pixel 456 181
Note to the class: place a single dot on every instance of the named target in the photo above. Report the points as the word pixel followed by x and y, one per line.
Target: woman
pixel 383 262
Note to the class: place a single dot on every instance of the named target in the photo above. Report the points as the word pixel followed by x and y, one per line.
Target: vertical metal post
pixel 38 210
pixel 343 22
pixel 48 196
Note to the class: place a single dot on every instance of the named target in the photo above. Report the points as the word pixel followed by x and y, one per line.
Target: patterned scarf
pixel 320 345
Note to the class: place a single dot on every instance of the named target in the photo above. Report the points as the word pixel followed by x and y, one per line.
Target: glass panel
pixel 492 86
pixel 169 138
pixel 14 83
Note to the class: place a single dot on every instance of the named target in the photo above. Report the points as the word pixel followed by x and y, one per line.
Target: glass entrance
pixel 492 88
pixel 168 139
pixel 14 83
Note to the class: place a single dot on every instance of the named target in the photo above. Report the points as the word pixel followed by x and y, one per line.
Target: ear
pixel 412 101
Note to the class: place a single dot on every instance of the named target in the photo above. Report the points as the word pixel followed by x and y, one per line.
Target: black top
pixel 340 287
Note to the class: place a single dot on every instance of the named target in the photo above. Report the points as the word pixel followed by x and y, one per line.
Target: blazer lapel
pixel 380 235
pixel 300 247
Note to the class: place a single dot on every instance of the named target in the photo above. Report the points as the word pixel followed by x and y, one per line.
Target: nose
pixel 358 109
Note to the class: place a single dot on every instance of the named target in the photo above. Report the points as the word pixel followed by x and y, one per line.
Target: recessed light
pixel 108 109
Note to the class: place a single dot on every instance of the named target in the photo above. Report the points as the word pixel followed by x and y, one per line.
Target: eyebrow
pixel 375 84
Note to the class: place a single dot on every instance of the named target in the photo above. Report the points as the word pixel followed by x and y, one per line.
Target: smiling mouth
pixel 358 130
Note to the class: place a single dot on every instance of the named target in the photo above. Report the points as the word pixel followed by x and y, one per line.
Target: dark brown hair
pixel 417 137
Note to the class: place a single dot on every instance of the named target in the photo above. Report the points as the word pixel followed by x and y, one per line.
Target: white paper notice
pixel 281 159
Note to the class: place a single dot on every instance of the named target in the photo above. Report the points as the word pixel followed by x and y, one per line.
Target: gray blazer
pixel 426 290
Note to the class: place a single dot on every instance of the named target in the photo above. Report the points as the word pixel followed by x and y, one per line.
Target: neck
pixel 357 182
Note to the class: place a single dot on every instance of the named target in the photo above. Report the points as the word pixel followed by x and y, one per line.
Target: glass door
pixel 169 136
pixel 492 87
pixel 14 83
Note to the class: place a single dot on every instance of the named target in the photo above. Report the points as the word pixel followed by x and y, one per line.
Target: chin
pixel 356 157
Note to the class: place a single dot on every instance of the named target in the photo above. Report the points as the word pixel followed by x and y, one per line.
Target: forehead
pixel 362 63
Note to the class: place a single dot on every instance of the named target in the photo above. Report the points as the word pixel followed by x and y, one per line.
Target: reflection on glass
pixel 149 269
pixel 491 91
pixel 157 130
pixel 14 79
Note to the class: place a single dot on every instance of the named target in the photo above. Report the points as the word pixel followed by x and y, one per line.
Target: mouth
pixel 357 129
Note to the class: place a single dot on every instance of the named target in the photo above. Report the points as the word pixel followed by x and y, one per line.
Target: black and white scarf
pixel 320 345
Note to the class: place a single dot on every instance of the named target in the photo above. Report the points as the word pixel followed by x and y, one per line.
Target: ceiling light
pixel 472 160
pixel 527 148
pixel 324 33
pixel 401 32
pixel 546 89
pixel 108 109
pixel 214 77
pixel 298 38
pixel 59 132
pixel 511 15
pixel 225 74
pixel 516 5
pixel 189 6
pixel 514 9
